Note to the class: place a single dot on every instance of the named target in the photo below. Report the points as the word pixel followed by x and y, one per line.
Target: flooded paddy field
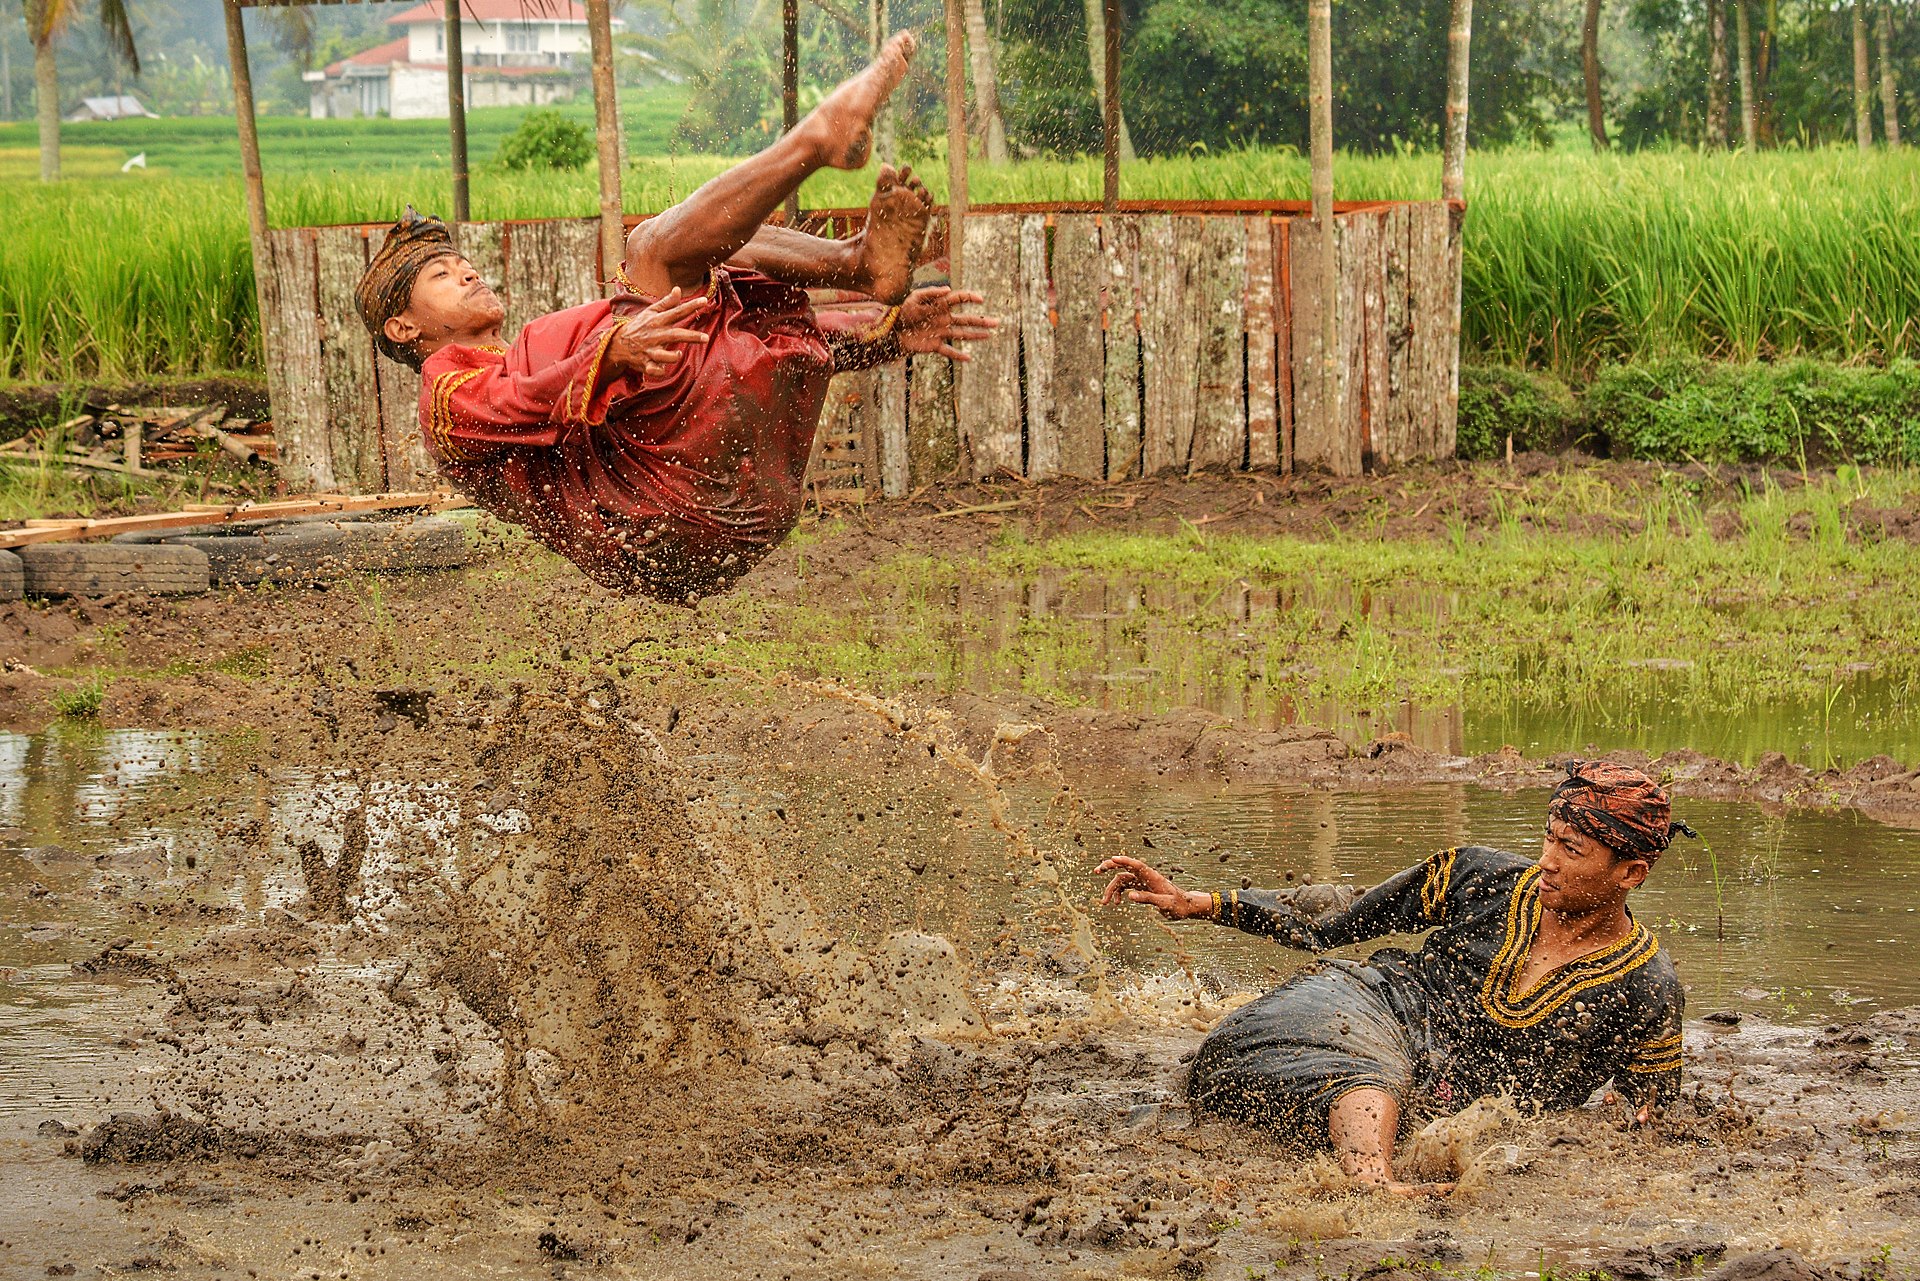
pixel 486 926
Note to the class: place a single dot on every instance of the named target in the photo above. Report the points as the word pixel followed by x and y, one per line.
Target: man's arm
pixel 1405 903
pixel 927 323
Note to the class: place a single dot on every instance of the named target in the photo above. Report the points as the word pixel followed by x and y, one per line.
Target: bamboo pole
pixel 456 109
pixel 956 136
pixel 790 84
pixel 606 117
pixel 1889 98
pixel 249 151
pixel 1320 108
pixel 1862 105
pixel 1112 139
pixel 1749 118
pixel 879 27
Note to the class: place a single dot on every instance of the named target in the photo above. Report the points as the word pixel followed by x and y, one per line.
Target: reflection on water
pixel 1147 646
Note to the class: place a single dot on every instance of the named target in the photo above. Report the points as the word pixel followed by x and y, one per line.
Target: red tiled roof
pixel 494 11
pixel 378 56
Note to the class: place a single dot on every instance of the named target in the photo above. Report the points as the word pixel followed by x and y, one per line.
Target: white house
pixel 514 53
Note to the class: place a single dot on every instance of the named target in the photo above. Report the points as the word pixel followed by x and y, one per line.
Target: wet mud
pixel 475 949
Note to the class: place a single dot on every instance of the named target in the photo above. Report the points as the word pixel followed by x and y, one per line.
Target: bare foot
pixel 842 126
pixel 1393 1187
pixel 896 228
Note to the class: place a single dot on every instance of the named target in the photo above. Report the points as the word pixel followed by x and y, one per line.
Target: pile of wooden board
pixel 147 440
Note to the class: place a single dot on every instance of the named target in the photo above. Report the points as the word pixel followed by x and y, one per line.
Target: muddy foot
pixel 842 126
pixel 896 228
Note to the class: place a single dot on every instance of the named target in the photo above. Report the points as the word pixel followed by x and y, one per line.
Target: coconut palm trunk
pixel 1717 75
pixel 1889 103
pixel 1097 59
pixel 1749 114
pixel 1590 72
pixel 1862 78
pixel 986 84
pixel 43 23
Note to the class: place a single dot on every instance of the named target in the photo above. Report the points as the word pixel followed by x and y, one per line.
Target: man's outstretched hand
pixel 929 322
pixel 647 344
pixel 1137 883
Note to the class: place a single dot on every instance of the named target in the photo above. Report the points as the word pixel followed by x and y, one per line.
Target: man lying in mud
pixel 660 441
pixel 1536 979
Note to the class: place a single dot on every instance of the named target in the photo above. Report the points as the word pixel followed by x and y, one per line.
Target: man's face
pixel 449 302
pixel 1579 874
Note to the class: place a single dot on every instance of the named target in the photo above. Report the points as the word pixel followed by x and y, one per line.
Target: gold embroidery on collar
pixel 1524 1009
pixel 1433 891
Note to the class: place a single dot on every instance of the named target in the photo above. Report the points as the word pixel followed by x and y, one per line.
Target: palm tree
pixel 1097 58
pixel 986 83
pixel 46 19
pixel 1590 72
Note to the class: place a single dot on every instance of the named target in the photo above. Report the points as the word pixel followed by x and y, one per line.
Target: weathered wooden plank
pixel 1283 336
pixel 987 396
pixel 933 439
pixel 1315 434
pixel 273 337
pixel 405 445
pixel 1036 350
pixel 1166 378
pixel 1263 400
pixel 346 352
pixel 1218 290
pixel 1428 301
pixel 300 421
pixel 1393 441
pixel 1355 241
pixel 1373 339
pixel 1120 393
pixel 890 427
pixel 484 244
pixel 838 458
pixel 549 267
pixel 1446 431
pixel 1077 357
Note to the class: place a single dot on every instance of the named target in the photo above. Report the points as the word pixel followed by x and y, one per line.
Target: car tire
pixel 315 550
pixel 103 569
pixel 13 577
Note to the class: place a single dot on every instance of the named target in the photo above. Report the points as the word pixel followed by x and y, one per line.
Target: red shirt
pixel 673 486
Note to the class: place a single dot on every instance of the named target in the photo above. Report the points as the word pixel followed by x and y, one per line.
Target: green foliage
pixel 1797 411
pixel 83 701
pixel 545 140
pixel 1536 410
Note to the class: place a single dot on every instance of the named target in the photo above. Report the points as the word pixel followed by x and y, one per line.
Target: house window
pixel 522 37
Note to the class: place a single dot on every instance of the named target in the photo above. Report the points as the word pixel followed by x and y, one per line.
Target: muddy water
pixel 361 951
pixel 1147 646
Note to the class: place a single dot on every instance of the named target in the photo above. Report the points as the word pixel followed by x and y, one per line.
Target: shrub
pixel 546 140
pixel 1801 411
pixel 1496 402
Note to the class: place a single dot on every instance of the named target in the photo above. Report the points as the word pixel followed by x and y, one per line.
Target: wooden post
pixel 1320 108
pixel 606 115
pixel 1453 187
pixel 1110 108
pixel 249 156
pixel 1453 166
pixel 790 84
pixel 879 27
pixel 456 109
pixel 956 136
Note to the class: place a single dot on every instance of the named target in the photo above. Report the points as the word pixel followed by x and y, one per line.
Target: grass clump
pixel 83 701
pixel 1534 410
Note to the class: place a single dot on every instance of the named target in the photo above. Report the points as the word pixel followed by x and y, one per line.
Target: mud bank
pixel 514 992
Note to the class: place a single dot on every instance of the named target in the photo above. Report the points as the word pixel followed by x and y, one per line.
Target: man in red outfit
pixel 659 441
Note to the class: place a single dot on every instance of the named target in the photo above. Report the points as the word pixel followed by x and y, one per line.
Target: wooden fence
pixel 1159 339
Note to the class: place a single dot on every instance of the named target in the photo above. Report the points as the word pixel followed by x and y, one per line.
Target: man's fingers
pixel 672 315
pixel 952 352
pixel 673 336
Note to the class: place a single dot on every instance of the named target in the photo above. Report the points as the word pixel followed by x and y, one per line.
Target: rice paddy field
pixel 1572 260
